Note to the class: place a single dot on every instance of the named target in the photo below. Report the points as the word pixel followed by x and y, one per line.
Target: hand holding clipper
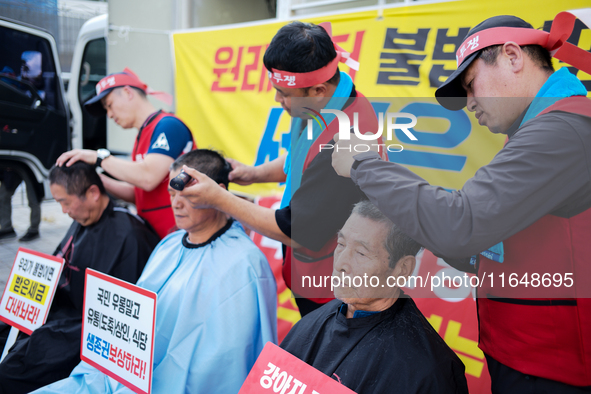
pixel 180 181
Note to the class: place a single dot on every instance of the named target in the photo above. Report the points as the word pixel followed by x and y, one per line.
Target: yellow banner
pixel 29 288
pixel 224 95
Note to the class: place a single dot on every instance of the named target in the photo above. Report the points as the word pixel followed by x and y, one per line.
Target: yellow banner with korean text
pixel 224 94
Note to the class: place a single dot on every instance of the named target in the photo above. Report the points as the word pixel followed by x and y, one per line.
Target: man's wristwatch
pixel 101 155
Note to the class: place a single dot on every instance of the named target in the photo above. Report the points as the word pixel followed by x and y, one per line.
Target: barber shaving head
pixel 370 245
pixel 504 57
pixel 200 224
pixel 302 61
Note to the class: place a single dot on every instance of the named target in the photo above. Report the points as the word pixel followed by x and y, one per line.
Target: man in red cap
pixel 534 309
pixel 302 61
pixel 162 137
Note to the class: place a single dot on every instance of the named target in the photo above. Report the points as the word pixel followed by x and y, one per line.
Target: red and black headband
pixel 286 79
pixel 554 41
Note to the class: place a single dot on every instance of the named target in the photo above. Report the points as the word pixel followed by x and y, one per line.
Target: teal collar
pixel 299 143
pixel 561 84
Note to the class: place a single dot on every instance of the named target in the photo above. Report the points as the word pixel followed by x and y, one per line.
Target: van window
pixel 93 69
pixel 27 70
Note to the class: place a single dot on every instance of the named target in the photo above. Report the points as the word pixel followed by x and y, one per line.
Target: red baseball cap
pixel 106 86
pixel 116 80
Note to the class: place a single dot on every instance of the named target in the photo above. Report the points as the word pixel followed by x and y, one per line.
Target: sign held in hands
pixel 278 371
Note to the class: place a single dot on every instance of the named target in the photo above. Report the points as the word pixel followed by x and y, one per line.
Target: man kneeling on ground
pixel 216 306
pixel 373 338
pixel 102 237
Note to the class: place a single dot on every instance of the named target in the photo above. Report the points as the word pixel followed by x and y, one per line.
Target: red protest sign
pixel 277 371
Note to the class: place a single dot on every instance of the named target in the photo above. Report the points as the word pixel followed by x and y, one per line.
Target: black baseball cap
pixel 451 94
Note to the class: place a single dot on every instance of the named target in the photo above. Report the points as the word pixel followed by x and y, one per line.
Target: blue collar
pixel 357 313
pixel 561 84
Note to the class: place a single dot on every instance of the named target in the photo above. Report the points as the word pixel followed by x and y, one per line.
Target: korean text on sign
pixel 277 371
pixel 30 289
pixel 118 330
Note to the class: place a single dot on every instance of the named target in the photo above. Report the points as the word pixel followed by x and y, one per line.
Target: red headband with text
pixel 128 78
pixel 554 42
pixel 286 79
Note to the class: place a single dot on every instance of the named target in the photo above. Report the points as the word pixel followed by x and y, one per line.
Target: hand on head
pixel 241 174
pixel 344 151
pixel 71 157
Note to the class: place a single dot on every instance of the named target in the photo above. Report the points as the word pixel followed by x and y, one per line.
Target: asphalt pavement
pixel 54 225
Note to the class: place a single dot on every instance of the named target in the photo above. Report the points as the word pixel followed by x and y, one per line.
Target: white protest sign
pixel 30 289
pixel 118 330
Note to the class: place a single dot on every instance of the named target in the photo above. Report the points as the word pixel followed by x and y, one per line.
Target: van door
pixel 89 65
pixel 33 113
pixel 92 69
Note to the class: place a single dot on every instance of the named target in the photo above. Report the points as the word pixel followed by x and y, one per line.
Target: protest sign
pixel 30 289
pixel 277 371
pixel 118 330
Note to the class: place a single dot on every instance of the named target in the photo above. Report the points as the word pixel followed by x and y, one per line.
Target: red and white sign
pixel 30 289
pixel 277 371
pixel 118 330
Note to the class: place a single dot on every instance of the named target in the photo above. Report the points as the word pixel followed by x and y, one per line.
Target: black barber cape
pixel 119 244
pixel 394 351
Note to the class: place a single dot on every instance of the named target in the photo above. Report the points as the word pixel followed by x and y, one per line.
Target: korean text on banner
pixel 407 51
pixel 277 371
pixel 30 289
pixel 118 330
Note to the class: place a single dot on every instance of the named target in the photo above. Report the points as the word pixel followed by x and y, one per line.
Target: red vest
pixel 545 334
pixel 153 206
pixel 305 262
